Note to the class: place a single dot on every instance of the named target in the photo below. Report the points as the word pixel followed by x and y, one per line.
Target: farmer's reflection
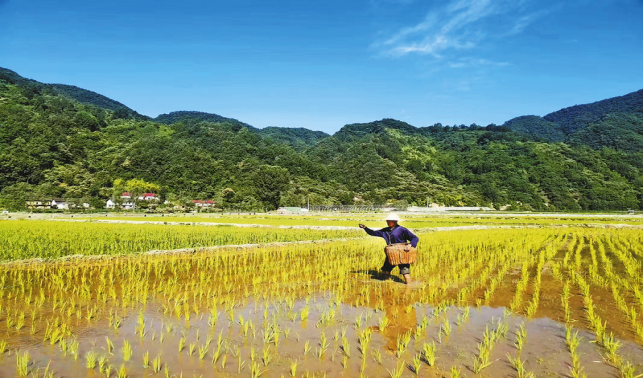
pixel 401 315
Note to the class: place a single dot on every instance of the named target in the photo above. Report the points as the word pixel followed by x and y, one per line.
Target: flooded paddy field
pixel 490 303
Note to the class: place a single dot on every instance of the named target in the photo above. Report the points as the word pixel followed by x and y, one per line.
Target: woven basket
pixel 401 253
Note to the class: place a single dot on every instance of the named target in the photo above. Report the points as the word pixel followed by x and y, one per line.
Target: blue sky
pixel 324 64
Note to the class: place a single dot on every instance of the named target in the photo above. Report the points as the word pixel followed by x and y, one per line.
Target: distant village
pixel 125 202
pixel 152 201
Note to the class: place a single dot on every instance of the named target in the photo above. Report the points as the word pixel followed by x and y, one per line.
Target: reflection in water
pixel 399 309
pixel 402 318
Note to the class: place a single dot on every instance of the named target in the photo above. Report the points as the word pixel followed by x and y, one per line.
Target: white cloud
pixel 459 25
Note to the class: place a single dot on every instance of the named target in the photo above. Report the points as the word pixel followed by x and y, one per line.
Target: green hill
pixel 84 96
pixel 63 141
pixel 615 123
pixel 578 117
pixel 197 117
pixel 298 137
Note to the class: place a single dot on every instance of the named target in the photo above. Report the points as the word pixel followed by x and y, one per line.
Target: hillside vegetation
pixel 64 141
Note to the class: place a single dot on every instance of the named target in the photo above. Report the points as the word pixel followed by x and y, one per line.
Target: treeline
pixel 54 146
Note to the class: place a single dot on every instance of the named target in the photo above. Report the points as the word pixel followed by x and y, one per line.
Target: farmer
pixel 394 234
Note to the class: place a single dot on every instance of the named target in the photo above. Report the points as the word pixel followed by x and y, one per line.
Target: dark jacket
pixel 398 235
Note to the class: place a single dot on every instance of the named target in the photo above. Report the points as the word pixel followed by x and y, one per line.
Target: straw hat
pixel 393 217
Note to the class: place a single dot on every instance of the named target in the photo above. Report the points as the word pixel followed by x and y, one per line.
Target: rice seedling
pixel 240 364
pixel 358 322
pixel 403 341
pixel 110 345
pixel 127 350
pixel 611 346
pixel 519 365
pixel 223 361
pixel 255 370
pixel 293 368
pixel 446 327
pixel 397 371
pixel 482 359
pixel 203 350
pixel 91 358
pixel 102 364
pixel 122 372
pixel 377 356
pixel 576 370
pixel 628 370
pixel 22 362
pixel 383 323
pixel 156 364
pixel 428 352
pixel 346 347
pixel 267 356
pixel 417 363
pixel 521 336
pixel 146 360
pixel 73 349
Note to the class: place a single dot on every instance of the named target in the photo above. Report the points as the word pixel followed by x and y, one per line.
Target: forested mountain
pixel 72 143
pixel 197 117
pixel 616 123
pixel 81 95
pixel 299 138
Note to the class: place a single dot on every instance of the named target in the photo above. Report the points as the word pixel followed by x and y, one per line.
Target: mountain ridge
pixel 557 126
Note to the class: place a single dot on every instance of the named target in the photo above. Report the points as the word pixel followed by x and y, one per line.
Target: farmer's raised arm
pixel 379 233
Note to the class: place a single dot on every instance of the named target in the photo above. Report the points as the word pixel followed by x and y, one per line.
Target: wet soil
pixel 545 352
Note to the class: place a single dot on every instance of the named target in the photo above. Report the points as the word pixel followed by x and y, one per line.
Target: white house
pixel 149 197
pixel 203 203
pixel 142 197
pixel 59 203
pixel 129 206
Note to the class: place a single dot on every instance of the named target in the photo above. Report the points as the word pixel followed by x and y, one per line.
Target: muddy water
pixel 544 351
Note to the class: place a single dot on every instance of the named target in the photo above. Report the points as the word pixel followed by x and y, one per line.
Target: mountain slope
pixel 297 137
pixel 81 95
pixel 52 145
pixel 614 122
pixel 194 116
pixel 577 117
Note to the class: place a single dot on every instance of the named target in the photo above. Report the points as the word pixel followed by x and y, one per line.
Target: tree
pixel 14 197
pixel 227 195
pixel 269 182
pixel 86 120
pixel 136 187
